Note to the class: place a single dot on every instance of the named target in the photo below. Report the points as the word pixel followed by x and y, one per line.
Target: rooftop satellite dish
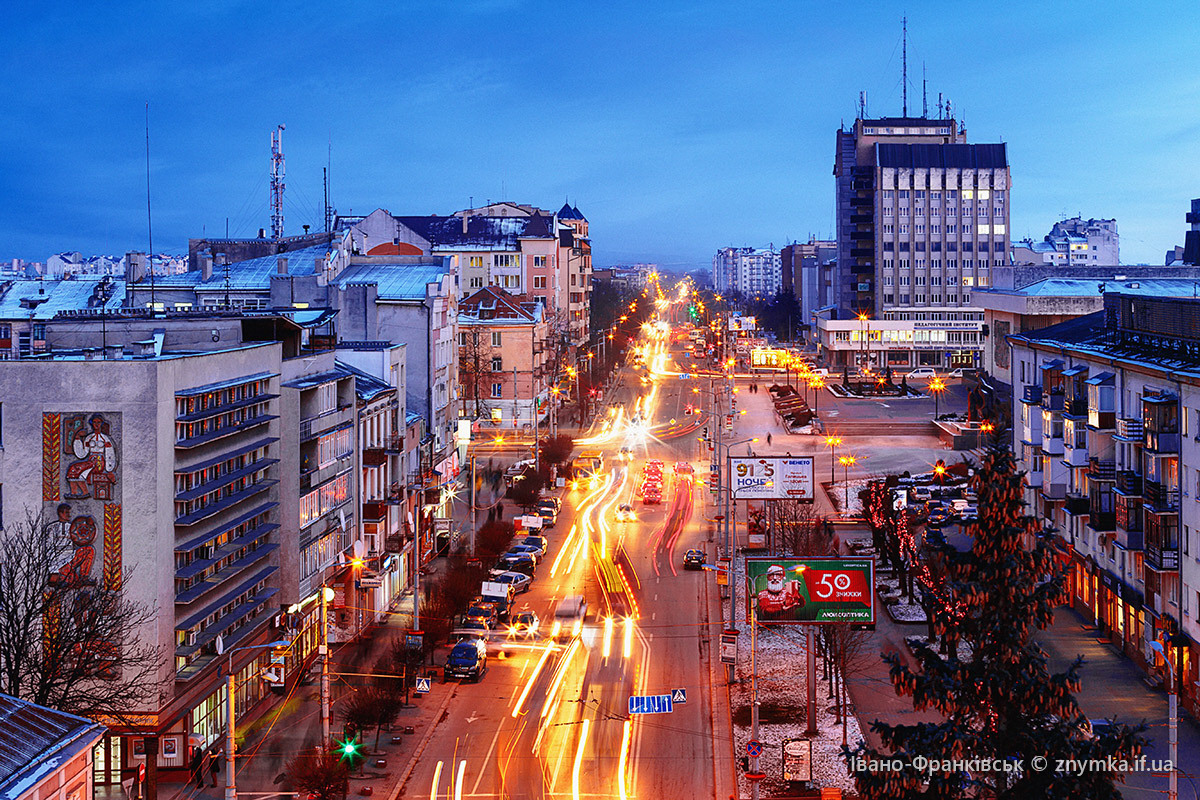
pixel 359 548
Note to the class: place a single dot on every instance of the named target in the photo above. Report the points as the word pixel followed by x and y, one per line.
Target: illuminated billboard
pixel 815 590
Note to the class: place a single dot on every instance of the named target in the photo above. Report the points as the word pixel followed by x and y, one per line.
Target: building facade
pixel 1073 242
pixel 807 272
pixel 48 755
pixel 922 219
pixel 751 271
pixel 1106 412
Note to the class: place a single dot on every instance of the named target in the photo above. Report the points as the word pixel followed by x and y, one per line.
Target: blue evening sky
pixel 676 128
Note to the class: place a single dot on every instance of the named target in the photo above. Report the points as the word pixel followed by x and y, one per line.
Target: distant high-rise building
pixel 807 270
pixel 748 270
pixel 1073 242
pixel 922 217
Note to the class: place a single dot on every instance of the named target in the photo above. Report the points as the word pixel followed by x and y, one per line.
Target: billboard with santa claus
pixel 820 590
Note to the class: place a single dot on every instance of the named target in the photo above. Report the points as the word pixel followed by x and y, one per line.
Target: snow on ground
pixel 888 585
pixel 783 698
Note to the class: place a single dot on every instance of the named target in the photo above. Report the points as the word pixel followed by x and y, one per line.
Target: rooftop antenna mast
pixel 277 183
pixel 904 63
pixel 149 218
pixel 939 105
pixel 327 170
pixel 924 95
pixel 862 104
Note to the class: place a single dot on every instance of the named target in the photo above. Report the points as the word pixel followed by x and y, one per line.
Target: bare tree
pixel 66 641
pixel 846 645
pixel 318 773
pixel 475 369
pixel 801 531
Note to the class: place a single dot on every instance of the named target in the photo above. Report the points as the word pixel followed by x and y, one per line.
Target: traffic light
pixel 706 432
pixel 349 749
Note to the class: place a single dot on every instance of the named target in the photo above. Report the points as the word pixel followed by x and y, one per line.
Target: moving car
pixel 684 468
pixel 569 616
pixel 468 660
pixel 626 454
pixel 625 513
pixel 963 372
pixel 524 625
pixel 518 581
pixel 652 497
pixel 693 559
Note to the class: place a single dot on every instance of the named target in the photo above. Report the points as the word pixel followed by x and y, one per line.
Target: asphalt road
pixel 550 719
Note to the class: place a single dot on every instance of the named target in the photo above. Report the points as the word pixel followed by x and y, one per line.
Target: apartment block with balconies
pixel 1120 389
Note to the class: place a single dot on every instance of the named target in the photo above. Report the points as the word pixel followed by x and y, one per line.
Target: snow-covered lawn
pixel 783 697
pixel 888 586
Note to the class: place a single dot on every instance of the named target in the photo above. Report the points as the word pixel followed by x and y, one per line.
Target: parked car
pixel 518 581
pixel 967 513
pixel 535 540
pixel 524 625
pixel 922 374
pixel 468 660
pixel 693 559
pixel 524 563
pixel 483 611
pixel 963 372
pixel 478 626
pixel 468 635
pixel 552 503
pixel 549 517
pixel 532 549
pixel 939 517
pixel 920 494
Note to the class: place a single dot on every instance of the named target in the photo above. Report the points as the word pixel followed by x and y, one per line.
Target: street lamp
pixel 936 387
pixel 230 693
pixel 846 462
pixel 1172 721
pixel 832 443
pixel 817 383
pixel 863 333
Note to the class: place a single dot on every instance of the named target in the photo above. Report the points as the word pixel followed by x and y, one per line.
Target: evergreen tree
pixel 999 701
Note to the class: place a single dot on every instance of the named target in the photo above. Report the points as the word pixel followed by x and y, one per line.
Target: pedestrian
pixel 768 438
pixel 197 767
pixel 214 765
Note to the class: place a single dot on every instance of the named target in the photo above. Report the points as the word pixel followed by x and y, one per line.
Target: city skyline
pixel 675 130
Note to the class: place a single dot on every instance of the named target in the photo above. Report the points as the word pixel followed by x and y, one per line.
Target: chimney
pixel 206 266
pixel 282 265
pixel 146 348
pixel 93 354
pixel 114 352
pixel 135 267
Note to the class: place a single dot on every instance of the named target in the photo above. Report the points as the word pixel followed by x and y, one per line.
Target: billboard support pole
pixel 811 657
pixel 754 761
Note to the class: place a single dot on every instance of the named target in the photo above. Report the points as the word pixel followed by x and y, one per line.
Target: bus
pixel 586 468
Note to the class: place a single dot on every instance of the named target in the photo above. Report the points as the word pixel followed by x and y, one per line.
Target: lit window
pixel 998 229
pixel 985 229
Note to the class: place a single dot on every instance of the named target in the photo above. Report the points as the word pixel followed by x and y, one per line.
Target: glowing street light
pixel 846 462
pixel 832 443
pixel 936 387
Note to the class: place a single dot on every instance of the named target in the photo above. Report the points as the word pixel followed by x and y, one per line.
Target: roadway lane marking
pixel 488 758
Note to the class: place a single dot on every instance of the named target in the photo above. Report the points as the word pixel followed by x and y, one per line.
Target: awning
pixel 1073 371
pixel 1103 379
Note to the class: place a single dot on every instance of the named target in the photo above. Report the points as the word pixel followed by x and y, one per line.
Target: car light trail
pixel 583 735
pixel 437 778
pixel 562 551
pixel 628 637
pixel 558 677
pixel 624 762
pixel 608 634
pixel 536 671
pixel 458 781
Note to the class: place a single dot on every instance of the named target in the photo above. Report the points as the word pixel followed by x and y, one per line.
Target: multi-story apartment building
pixel 1106 417
pixel 749 270
pixel 519 248
pixel 505 359
pixel 807 271
pixel 1073 242
pixel 922 219
pixel 27 305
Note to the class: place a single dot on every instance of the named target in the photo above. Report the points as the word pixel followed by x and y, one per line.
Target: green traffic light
pixel 348 748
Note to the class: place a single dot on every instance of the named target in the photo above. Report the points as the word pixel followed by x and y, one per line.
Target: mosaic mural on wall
pixel 81 478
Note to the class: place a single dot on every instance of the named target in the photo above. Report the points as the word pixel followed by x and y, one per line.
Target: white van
pixel 568 617
pixel 922 374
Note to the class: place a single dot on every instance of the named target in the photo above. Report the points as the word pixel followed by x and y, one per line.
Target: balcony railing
pixel 1076 407
pixel 374 456
pixel 1076 505
pixel 1162 441
pixel 1101 420
pixel 1102 470
pixel 1032 394
pixel 1129 482
pixel 1129 430
pixel 374 511
pixel 1103 521
pixel 1053 401
pixel 1161 559
pixel 1161 499
pixel 1129 514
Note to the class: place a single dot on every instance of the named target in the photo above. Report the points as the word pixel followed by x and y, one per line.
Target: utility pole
pixel 474 507
pixel 230 763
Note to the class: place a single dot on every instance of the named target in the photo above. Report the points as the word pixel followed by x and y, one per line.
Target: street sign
pixel 679 696
pixel 422 685
pixel 797 759
pixel 729 643
pixel 754 749
pixel 683 376
pixel 650 704
pixel 821 590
